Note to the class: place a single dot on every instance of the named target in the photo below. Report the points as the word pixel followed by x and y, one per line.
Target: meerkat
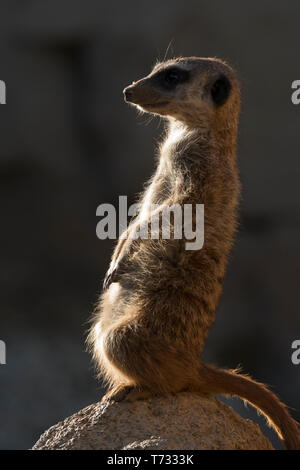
pixel 159 298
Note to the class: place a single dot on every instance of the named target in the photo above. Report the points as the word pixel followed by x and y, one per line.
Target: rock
pixel 184 421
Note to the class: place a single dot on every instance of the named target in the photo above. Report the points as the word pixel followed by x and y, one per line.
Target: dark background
pixel 69 143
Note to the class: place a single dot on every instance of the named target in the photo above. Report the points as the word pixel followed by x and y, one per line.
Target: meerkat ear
pixel 220 90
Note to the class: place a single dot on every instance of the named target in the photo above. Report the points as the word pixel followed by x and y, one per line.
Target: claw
pixel 109 279
pixel 127 393
pixel 118 393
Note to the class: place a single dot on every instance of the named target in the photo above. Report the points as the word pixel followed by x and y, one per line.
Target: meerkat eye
pixel 220 90
pixel 174 76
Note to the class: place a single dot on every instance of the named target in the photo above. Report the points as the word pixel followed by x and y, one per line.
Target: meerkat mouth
pixel 154 105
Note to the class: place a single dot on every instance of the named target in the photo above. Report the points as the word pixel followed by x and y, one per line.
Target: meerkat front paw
pixel 127 393
pixel 109 278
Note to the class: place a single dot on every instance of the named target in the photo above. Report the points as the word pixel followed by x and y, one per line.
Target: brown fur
pixel 152 321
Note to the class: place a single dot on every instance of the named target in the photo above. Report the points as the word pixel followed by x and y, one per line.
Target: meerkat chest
pixel 184 149
pixel 175 142
pixel 179 155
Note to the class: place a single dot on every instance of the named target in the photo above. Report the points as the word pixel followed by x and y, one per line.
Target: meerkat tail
pixel 229 382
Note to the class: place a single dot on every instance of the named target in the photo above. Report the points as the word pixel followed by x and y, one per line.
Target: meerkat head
pixel 191 90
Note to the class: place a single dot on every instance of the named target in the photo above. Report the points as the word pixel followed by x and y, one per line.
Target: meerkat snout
pixel 128 93
pixel 143 94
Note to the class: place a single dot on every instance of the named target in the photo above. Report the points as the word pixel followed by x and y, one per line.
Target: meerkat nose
pixel 128 93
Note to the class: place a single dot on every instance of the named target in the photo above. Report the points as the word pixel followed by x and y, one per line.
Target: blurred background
pixel 68 143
